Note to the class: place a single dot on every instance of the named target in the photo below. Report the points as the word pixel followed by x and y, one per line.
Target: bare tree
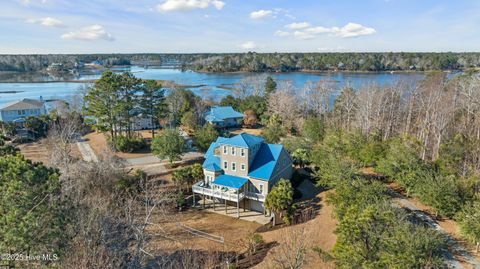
pixel 284 103
pixel 292 252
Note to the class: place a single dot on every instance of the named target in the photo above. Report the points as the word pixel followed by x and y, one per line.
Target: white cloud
pixel 186 5
pixel 94 32
pixel 354 30
pixel 248 45
pixel 307 32
pixel 28 2
pixel 260 14
pixel 303 35
pixel 298 25
pixel 282 33
pixel 48 21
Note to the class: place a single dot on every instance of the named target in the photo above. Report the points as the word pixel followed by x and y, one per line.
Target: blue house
pixel 224 116
pixel 242 170
pixel 18 110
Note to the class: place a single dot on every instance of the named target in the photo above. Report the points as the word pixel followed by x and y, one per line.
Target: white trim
pixel 225 150
pixel 225 165
pixel 234 166
pixel 260 187
pixel 242 166
pixel 233 151
pixel 242 152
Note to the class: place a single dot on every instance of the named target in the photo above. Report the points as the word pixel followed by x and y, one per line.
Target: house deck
pixel 231 211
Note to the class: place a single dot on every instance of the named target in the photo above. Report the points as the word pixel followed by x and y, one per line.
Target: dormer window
pixel 225 151
pixel 242 152
pixel 233 150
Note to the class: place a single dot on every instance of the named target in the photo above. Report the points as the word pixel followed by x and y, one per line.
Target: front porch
pixel 234 212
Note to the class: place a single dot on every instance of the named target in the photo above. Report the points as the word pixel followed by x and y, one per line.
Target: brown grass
pixel 320 232
pixel 39 152
pixel 98 142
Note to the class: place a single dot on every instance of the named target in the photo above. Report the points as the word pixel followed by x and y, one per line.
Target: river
pixel 212 88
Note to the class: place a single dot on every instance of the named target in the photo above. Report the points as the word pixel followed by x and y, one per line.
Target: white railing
pixel 255 196
pixel 227 195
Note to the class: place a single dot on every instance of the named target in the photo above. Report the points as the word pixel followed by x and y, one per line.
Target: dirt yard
pixel 232 229
pixel 98 142
pixel 247 130
pixel 319 232
pixel 38 151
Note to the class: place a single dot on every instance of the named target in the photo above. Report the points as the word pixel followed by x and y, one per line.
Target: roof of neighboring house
pixel 212 162
pixel 220 113
pixel 243 140
pixel 265 161
pixel 230 181
pixel 22 104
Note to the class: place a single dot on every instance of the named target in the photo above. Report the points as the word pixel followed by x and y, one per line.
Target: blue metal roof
pixel 264 163
pixel 212 162
pixel 230 181
pixel 243 140
pixel 220 113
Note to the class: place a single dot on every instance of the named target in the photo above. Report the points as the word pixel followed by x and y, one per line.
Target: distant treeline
pixel 287 62
pixel 257 62
pixel 29 63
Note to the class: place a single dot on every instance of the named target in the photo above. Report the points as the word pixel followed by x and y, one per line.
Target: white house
pixel 19 110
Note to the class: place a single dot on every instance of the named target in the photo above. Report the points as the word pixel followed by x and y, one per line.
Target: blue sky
pixel 168 26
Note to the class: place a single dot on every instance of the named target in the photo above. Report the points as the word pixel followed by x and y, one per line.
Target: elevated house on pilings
pixel 240 171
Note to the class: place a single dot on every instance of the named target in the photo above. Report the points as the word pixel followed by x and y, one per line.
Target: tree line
pixel 257 62
pixel 288 62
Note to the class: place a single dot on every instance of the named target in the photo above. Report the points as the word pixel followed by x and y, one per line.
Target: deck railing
pixel 217 193
pixel 255 196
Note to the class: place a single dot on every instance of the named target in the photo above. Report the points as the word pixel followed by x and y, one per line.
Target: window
pixel 225 150
pixel 242 152
pixel 225 165
pixel 233 150
pixel 243 167
pixel 261 188
pixel 234 167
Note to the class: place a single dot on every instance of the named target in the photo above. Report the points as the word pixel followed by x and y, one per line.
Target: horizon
pixel 234 26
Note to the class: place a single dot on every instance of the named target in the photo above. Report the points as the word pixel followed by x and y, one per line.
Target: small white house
pixel 17 111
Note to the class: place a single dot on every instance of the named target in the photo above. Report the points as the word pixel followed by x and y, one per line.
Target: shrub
pixel 129 144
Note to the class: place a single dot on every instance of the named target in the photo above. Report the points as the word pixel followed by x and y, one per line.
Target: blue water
pixel 65 90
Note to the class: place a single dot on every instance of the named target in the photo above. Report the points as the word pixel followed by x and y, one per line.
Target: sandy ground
pixel 232 229
pixel 247 130
pixel 38 151
pixel 319 232
pixel 98 142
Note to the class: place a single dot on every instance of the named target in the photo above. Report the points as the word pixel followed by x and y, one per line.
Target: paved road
pixel 87 152
pixel 155 160
pixel 154 166
pixel 456 248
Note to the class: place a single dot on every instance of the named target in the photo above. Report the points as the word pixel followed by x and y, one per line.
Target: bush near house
pixel 128 144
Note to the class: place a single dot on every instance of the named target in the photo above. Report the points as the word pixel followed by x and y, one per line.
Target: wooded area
pixel 257 62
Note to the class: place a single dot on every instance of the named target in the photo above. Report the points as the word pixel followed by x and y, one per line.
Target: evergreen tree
pixel 169 145
pixel 153 102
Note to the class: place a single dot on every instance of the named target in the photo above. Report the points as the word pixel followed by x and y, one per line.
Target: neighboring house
pixel 242 170
pixel 17 111
pixel 142 121
pixel 224 116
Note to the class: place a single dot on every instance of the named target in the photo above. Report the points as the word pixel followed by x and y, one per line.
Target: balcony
pixel 255 196
pixel 223 193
